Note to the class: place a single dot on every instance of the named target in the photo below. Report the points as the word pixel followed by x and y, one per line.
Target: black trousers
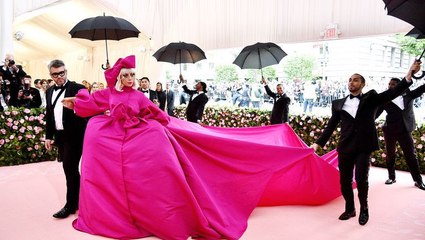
pixel 347 163
pixel 70 154
pixel 405 140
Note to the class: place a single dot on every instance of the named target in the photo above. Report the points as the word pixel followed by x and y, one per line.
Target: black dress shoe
pixel 420 185
pixel 64 213
pixel 347 215
pixel 390 181
pixel 364 216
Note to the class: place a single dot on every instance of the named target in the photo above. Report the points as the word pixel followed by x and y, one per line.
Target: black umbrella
pixel 259 55
pixel 411 11
pixel 179 52
pixel 415 33
pixel 104 28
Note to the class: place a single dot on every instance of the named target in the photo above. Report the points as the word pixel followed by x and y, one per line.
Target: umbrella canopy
pixel 104 28
pixel 415 33
pixel 411 11
pixel 259 55
pixel 180 52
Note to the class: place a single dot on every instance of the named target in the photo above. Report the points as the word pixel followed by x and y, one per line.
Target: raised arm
pixel 417 92
pixel 390 94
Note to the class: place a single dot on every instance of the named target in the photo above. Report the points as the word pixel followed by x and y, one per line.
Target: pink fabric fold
pixel 144 173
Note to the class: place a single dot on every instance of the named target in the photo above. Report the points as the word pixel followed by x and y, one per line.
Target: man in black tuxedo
pixel 398 127
pixel 358 137
pixel 197 101
pixel 67 130
pixel 13 75
pixel 280 111
pixel 169 103
pixel 145 88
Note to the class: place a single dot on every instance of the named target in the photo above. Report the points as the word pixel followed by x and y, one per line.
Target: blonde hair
pixel 118 85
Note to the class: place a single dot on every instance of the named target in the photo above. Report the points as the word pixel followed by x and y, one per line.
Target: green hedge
pixel 22 133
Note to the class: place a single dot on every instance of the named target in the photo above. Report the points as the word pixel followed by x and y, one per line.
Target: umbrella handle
pixel 108 66
pixel 423 72
pixel 418 77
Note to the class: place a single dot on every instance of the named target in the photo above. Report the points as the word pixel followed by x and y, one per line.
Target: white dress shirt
pixel 399 102
pixel 351 105
pixel 58 110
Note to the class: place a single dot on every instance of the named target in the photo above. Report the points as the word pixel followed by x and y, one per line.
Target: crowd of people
pixel 306 94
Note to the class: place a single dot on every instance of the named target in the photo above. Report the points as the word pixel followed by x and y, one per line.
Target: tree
pixel 299 67
pixel 226 73
pixel 255 74
pixel 410 45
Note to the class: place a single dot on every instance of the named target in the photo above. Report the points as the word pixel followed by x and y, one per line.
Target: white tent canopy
pixel 39 30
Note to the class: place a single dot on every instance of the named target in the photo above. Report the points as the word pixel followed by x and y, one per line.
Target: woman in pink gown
pixel 144 174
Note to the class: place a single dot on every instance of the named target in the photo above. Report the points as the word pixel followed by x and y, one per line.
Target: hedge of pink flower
pixel 22 137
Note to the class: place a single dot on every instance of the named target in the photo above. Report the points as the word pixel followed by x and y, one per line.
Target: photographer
pixel 31 96
pixel 12 74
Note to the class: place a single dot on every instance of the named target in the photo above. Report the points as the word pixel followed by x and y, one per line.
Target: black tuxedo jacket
pixel 280 111
pixel 170 102
pixel 152 94
pixel 398 120
pixel 195 108
pixel 74 126
pixel 161 99
pixel 359 134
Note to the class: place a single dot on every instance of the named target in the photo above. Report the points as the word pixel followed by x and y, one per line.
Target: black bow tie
pixel 58 87
pixel 358 96
pixel 145 91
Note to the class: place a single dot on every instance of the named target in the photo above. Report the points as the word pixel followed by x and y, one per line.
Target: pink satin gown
pixel 145 174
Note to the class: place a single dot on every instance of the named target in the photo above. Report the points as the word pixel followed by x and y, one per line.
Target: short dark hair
pixel 56 64
pixel 146 79
pixel 204 86
pixel 36 81
pixel 397 80
pixel 361 77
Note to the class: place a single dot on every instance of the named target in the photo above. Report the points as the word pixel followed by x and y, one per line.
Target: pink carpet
pixel 31 193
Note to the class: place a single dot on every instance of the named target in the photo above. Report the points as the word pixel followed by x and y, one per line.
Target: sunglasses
pixel 58 74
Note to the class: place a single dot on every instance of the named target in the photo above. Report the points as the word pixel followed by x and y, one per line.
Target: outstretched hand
pixel 263 80
pixel 69 102
pixel 181 79
pixel 416 66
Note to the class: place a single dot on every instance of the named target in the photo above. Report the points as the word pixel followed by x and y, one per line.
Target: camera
pixel 11 63
pixel 26 92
